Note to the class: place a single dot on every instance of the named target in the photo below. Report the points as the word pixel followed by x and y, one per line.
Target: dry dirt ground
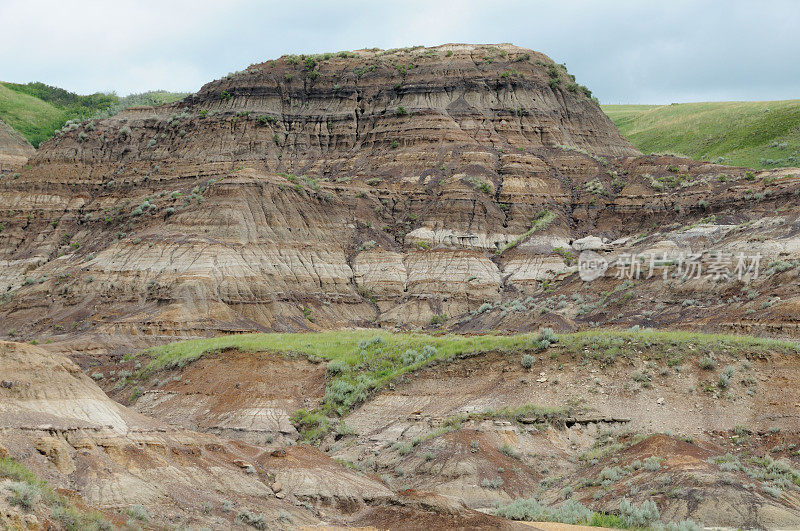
pixel 59 424
pixel 437 430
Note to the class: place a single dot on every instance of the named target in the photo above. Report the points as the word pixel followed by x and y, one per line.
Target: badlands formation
pixel 438 189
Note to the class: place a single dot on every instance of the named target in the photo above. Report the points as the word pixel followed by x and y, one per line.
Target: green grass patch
pixel 363 361
pixel 755 134
pixel 343 345
pixel 542 220
pixel 33 118
pixel 669 344
pixel 63 511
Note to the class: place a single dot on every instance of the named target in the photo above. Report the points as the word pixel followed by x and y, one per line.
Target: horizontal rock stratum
pixel 397 187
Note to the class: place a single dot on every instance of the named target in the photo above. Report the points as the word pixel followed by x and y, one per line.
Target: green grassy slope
pixel 756 134
pixel 35 119
pixel 37 110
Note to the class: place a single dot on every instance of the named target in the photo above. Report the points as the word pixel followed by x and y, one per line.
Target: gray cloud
pixel 626 51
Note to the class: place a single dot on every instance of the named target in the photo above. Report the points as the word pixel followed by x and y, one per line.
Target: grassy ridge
pixel 363 361
pixel 347 345
pixel 37 110
pixel 756 134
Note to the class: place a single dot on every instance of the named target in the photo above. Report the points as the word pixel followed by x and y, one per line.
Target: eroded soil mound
pixel 58 423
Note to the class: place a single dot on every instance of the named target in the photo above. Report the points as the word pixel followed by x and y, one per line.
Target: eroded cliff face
pixel 373 187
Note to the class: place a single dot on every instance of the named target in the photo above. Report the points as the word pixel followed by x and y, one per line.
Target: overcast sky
pixel 626 51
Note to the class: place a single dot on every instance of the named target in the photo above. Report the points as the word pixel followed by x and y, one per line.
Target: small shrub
pixel 439 319
pixel 707 363
pixel 371 342
pixel 429 351
pixel 528 361
pixel 485 307
pixel 135 394
pixel 652 463
pixel 570 512
pixel 138 512
pixel 548 334
pixel 508 450
pixel 338 366
pixel 492 483
pixel 642 516
pixel 409 357
pixel 254 520
pixel 23 494
pixel 367 246
pixel 545 338
pixel 610 474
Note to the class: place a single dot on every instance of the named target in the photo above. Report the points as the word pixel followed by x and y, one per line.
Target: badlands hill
pixel 398 188
pixel 363 194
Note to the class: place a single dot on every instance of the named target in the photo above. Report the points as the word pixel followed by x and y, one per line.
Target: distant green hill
pixel 37 110
pixel 756 134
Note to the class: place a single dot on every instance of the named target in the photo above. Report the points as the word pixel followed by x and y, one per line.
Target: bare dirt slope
pixel 14 149
pixel 706 429
pixel 57 422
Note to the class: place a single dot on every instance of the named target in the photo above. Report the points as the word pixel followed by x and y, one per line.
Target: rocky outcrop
pixel 396 188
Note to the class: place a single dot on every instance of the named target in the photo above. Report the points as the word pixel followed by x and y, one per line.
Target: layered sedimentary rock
pixel 391 187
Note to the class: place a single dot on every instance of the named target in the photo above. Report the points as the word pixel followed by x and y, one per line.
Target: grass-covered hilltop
pixel 37 110
pixel 755 134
